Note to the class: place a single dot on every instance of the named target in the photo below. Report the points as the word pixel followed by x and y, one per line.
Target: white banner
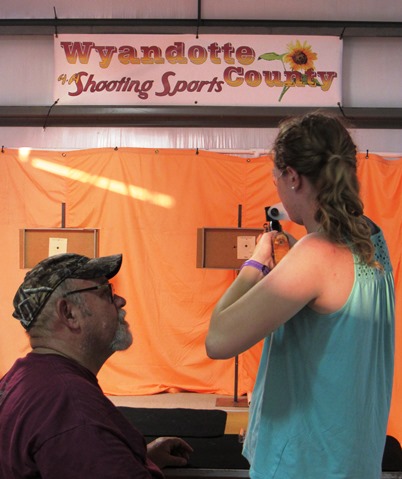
pixel 228 70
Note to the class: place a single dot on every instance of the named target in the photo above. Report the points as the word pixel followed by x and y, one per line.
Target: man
pixel 55 422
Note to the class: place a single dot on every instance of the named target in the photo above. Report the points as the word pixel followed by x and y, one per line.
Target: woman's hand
pixel 263 250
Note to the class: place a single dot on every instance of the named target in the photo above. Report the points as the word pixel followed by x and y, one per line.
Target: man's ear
pixel 68 314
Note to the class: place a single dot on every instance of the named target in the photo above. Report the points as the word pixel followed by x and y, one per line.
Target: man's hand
pixel 169 451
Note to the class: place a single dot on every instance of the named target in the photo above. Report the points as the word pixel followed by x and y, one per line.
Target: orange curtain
pixel 148 205
pixel 381 191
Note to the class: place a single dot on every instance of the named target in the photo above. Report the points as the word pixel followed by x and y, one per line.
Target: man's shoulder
pixel 48 379
pixel 41 389
pixel 42 366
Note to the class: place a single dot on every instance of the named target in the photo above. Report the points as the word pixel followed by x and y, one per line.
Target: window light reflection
pixel 136 192
pixel 23 154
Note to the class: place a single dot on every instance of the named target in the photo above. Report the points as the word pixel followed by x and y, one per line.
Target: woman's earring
pixel 293 187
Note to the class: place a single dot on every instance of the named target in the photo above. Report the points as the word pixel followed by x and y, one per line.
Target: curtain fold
pixel 381 191
pixel 148 204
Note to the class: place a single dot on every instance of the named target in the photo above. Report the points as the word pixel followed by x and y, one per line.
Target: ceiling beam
pixel 184 116
pixel 50 26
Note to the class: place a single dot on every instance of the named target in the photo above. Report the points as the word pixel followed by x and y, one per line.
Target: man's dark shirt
pixel 55 422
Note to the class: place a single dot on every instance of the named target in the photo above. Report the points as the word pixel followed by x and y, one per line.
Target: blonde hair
pixel 319 147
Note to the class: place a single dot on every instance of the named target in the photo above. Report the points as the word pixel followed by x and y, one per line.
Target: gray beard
pixel 123 338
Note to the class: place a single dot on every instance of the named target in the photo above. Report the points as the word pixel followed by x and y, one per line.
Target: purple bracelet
pixel 255 264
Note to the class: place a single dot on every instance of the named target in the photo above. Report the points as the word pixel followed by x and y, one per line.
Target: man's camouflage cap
pixel 45 277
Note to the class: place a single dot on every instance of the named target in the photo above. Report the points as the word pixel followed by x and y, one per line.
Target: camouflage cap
pixel 43 279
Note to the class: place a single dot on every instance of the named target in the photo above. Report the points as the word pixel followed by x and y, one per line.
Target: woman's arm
pixel 254 305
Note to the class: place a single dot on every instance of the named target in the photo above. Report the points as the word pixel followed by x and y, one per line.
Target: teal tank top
pixel 321 400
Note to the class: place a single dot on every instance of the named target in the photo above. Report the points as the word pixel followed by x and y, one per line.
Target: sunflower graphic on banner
pixel 300 59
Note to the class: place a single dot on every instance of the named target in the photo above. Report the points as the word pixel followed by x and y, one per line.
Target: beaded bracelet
pixel 256 264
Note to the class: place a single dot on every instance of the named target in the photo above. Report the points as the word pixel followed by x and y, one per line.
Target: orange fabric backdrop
pixel 148 205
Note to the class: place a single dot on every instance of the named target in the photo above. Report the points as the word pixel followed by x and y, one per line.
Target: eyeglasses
pixel 276 178
pixel 109 286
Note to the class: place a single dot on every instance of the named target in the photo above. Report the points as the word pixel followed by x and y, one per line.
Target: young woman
pixel 321 400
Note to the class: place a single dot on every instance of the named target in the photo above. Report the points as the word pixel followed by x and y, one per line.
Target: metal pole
pixel 236 371
pixel 63 215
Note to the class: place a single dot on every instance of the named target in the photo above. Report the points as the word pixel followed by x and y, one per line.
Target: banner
pixel 227 70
